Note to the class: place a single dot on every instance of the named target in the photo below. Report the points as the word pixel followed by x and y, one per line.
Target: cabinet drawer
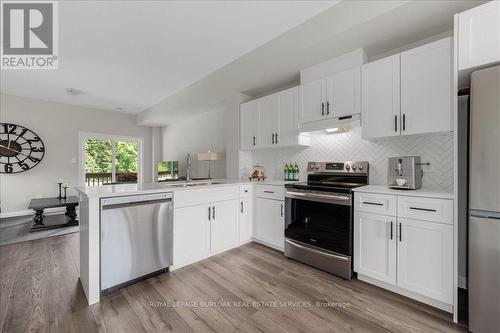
pixel 375 203
pixel 427 209
pixel 246 191
pixel 270 192
pixel 198 196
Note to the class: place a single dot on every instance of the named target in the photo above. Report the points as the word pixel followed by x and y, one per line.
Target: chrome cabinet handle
pixel 327 108
pixel 391 230
pixel 423 209
pixel 253 138
pixel 323 109
pixel 213 212
pixel 281 210
pixel 209 214
pixel 272 138
pixel 268 191
pixel 241 207
pixel 395 123
pixel 400 232
pixel 276 138
pixel 404 122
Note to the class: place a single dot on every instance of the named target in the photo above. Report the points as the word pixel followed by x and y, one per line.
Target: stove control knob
pixel 316 166
pixel 347 167
pixel 360 167
pixel 354 167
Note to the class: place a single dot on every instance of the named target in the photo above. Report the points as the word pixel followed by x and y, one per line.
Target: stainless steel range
pixel 319 215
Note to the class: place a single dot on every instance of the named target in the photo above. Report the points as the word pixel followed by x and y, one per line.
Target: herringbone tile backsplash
pixel 436 149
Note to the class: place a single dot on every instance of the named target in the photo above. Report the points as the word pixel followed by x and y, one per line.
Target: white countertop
pixel 382 189
pixel 144 188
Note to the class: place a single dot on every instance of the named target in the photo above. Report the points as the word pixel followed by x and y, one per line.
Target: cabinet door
pixel 312 99
pixel 245 220
pixel 269 222
pixel 380 103
pixel 426 83
pixel 287 129
pixel 224 226
pixel 269 119
pixel 425 258
pixel 375 246
pixel 479 36
pixel 344 93
pixel 191 234
pixel 249 124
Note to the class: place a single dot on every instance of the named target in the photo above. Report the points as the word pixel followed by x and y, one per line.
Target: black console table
pixel 43 222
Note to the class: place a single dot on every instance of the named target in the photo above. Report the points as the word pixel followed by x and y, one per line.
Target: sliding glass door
pixel 110 160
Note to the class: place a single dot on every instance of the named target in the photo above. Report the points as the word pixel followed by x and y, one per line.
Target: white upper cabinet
pixel 408 93
pixel 335 96
pixel 271 121
pixel 344 93
pixel 312 101
pixel 381 98
pixel 479 36
pixel 286 133
pixel 426 84
pixel 249 124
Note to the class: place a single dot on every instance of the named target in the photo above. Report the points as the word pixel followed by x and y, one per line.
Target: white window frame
pixel 83 136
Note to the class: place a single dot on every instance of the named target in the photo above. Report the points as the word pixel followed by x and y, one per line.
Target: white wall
pixel 58 126
pixel 216 130
pixel 193 135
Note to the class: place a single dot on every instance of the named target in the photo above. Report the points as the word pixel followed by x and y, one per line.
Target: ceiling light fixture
pixel 73 91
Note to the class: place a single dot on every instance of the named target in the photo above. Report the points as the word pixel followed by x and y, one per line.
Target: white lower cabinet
pixel 191 234
pixel 224 228
pixel 202 228
pixel 246 218
pixel 425 258
pixel 270 222
pixel 410 256
pixel 375 246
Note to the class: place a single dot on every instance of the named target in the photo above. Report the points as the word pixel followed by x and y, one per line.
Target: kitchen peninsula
pixel 205 218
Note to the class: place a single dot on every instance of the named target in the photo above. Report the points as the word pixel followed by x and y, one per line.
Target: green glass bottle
pixel 290 171
pixel 296 172
pixel 285 172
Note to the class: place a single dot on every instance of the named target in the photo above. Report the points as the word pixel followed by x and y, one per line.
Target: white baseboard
pixel 462 282
pixel 48 211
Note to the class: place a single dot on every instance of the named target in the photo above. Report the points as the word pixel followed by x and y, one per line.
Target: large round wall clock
pixel 20 148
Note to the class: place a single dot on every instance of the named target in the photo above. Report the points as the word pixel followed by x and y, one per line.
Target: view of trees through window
pixel 102 155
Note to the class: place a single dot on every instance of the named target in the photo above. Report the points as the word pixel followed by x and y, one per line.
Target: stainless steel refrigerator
pixel 484 201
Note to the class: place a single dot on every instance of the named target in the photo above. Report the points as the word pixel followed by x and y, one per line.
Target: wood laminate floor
pixel 248 289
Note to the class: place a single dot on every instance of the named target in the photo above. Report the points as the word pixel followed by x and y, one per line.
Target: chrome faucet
pixel 188 168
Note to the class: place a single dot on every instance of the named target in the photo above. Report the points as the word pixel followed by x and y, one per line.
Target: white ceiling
pixel 132 54
pixel 380 27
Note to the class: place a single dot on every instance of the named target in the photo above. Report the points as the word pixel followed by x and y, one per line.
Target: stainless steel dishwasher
pixel 136 238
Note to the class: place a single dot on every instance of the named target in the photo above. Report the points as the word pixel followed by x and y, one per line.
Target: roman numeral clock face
pixel 20 148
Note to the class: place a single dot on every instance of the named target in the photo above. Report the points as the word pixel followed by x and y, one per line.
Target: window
pixel 109 159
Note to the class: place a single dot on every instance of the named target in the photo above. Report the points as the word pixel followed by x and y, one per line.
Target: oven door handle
pixel 343 200
pixel 305 248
